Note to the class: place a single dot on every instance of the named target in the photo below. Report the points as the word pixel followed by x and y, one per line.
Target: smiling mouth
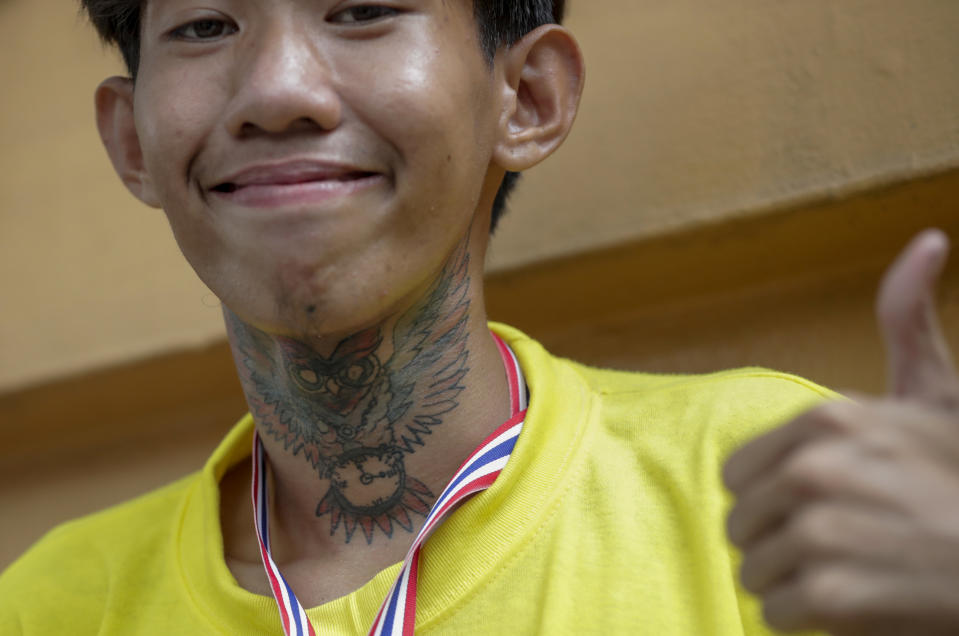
pixel 277 191
pixel 230 187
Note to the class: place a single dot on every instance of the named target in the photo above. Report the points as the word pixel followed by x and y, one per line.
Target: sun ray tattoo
pixel 354 417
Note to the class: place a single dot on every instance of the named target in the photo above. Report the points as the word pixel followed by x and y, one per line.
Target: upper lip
pixel 291 172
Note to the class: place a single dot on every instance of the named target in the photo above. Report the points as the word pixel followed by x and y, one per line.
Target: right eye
pixel 206 29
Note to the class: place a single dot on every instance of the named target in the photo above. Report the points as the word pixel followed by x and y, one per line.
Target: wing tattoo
pixel 354 417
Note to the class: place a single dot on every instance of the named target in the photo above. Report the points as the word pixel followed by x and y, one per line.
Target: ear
pixel 542 81
pixel 114 105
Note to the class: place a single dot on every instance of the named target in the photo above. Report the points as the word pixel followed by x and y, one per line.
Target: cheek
pixel 172 133
pixel 446 149
pixel 172 130
pixel 435 108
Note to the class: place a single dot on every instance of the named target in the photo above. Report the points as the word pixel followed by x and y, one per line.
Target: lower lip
pixel 296 194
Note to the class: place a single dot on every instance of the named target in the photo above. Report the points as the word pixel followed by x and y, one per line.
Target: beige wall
pixel 695 112
pixel 698 111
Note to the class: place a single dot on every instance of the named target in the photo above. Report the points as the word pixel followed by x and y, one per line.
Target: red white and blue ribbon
pixel 397 615
pixel 295 622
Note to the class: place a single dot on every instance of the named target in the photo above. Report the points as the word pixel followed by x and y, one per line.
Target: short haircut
pixel 501 23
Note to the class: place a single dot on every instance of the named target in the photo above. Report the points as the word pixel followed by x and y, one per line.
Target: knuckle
pixel 803 472
pixel 772 617
pixel 783 609
pixel 824 593
pixel 883 443
pixel 816 593
pixel 821 469
pixel 836 417
pixel 749 574
pixel 734 527
pixel 812 530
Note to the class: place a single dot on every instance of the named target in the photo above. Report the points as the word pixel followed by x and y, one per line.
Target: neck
pixel 363 432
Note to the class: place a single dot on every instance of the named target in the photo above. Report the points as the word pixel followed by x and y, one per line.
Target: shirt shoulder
pixel 727 407
pixel 656 453
pixel 65 581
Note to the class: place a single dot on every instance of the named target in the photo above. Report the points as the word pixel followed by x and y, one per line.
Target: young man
pixel 330 169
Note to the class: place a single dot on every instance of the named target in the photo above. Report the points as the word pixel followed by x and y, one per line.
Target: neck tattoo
pixel 354 415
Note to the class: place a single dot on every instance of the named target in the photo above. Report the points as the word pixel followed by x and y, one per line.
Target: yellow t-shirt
pixel 608 519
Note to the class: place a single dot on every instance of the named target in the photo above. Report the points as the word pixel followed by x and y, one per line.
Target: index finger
pixel 757 457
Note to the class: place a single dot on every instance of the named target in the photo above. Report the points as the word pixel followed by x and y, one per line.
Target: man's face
pixel 318 159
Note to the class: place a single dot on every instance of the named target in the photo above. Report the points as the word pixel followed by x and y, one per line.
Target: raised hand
pixel 848 516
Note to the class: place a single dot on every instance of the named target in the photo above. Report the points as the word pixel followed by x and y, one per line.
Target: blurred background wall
pixel 740 174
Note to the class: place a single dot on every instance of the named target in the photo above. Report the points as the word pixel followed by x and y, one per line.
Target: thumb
pixel 919 362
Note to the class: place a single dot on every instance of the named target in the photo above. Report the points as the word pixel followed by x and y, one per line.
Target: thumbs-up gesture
pixel 848 516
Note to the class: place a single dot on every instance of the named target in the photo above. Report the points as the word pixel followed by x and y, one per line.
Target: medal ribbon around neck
pixel 397 615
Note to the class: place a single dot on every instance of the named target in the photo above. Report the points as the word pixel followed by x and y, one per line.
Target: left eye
pixel 363 13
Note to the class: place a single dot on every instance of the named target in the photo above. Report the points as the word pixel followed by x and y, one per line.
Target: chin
pixel 317 289
pixel 335 313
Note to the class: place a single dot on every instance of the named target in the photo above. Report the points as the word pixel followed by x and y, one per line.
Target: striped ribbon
pixel 397 615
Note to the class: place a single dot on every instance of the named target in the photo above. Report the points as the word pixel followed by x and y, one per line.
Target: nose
pixel 282 84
